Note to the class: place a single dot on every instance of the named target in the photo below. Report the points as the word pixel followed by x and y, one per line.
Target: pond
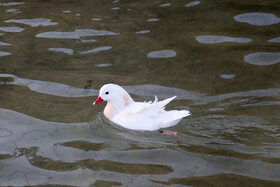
pixel 220 58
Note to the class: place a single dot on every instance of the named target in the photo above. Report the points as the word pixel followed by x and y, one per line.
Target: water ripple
pixel 13 10
pixel 88 41
pixel 165 5
pixel 193 3
pixel 116 1
pixel 103 65
pixel 11 29
pixel 96 50
pixel 143 32
pixel 262 58
pixel 233 130
pixel 33 22
pixel 66 149
pixel 5 133
pixel 63 90
pixel 96 19
pixel 270 92
pixel 12 3
pixel 77 34
pixel 212 39
pixel 66 11
pixel 51 88
pixel 153 20
pixel 4 53
pixel 4 44
pixel 115 8
pixel 275 40
pixel 63 50
pixel 162 54
pixel 264 103
pixel 257 19
pixel 227 76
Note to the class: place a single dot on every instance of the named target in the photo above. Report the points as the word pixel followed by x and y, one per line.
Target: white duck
pixel 122 110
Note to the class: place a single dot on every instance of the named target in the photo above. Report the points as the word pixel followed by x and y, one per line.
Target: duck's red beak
pixel 98 100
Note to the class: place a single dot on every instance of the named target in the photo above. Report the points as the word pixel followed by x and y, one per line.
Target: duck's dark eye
pixel 106 93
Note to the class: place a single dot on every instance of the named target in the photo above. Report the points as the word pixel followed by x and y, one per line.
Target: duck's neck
pixel 115 106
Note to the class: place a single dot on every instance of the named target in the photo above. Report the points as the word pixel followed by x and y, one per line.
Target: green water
pixel 221 59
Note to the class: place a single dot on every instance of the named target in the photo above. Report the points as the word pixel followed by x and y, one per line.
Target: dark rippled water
pixel 221 58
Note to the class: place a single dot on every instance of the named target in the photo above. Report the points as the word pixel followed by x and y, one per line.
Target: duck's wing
pixel 166 118
pixel 146 108
pixel 157 106
pixel 135 108
pixel 149 116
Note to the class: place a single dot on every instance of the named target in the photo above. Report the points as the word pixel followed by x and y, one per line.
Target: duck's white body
pixel 122 110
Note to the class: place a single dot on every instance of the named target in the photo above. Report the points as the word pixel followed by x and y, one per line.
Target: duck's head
pixel 114 94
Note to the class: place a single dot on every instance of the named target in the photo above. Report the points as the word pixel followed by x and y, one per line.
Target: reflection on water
pixel 88 41
pixel 72 150
pixel 162 54
pixel 262 58
pixel 4 44
pixel 11 29
pixel 50 88
pixel 210 39
pixel 78 33
pixel 4 53
pixel 193 3
pixel 264 103
pixel 96 50
pixel 275 40
pixel 227 76
pixel 55 55
pixel 115 8
pixel 103 65
pixel 143 32
pixel 96 19
pixel 66 11
pixel 33 22
pixel 258 19
pixel 13 10
pixel 12 3
pixel 63 50
pixel 165 5
pixel 153 20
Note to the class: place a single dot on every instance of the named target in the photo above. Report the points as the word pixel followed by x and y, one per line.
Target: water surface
pixel 221 59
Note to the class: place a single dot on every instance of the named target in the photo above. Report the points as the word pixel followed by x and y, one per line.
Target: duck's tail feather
pixel 178 114
pixel 157 106
pixel 173 117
